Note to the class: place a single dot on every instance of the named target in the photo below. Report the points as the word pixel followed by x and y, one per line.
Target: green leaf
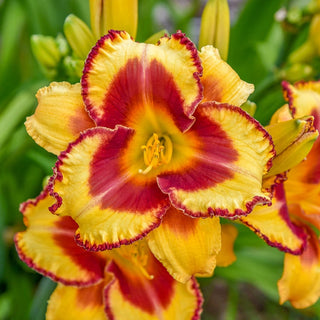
pixel 41 297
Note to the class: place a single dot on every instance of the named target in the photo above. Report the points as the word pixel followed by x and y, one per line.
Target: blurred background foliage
pixel 261 40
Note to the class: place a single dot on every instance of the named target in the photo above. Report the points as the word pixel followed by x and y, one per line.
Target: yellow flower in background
pixel 300 282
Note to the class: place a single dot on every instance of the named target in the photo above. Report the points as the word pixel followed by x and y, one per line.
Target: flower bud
pixel 297 72
pixel 215 26
pixel 155 37
pixel 293 139
pixel 78 35
pixel 311 47
pixel 113 14
pixel 249 107
pixel 73 67
pixel 46 50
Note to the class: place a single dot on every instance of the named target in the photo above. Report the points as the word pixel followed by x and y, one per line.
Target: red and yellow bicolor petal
pixel 304 99
pixel 220 82
pixel 59 118
pixel 124 81
pixel 273 224
pixel 307 195
pixel 149 293
pixel 223 174
pixel 186 246
pixel 48 246
pixel 300 282
pixel 94 186
pixel 226 256
pixel 72 303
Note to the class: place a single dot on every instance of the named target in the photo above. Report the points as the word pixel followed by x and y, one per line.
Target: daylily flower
pixel 149 154
pixel 125 283
pixel 293 139
pixel 302 192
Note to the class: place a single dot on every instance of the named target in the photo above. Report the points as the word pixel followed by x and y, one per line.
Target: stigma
pixel 156 152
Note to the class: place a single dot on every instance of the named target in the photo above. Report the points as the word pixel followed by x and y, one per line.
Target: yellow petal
pixel 282 114
pixel 59 117
pixel 226 256
pixel 220 82
pixel 273 225
pixel 300 282
pixel 186 246
pixel 76 303
pixel 113 14
pixel 215 26
pixel 304 99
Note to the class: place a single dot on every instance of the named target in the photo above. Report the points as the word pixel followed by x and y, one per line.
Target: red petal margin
pixel 110 189
pixel 61 231
pixel 279 196
pixel 139 82
pixel 213 162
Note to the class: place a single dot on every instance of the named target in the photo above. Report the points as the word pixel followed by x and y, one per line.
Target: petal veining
pixel 186 246
pixel 59 118
pixel 220 82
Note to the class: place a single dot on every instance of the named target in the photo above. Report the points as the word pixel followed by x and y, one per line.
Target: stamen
pixel 156 152
pixel 135 254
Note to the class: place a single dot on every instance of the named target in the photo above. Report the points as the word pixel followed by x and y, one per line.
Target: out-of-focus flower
pixel 125 283
pixel 147 148
pixel 311 47
pixel 300 282
pixel 215 26
pixel 293 140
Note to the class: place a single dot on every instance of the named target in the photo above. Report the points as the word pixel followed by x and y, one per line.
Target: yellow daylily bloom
pixel 161 150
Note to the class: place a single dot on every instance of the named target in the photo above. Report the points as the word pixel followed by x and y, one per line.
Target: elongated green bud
pixel 215 26
pixel 79 36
